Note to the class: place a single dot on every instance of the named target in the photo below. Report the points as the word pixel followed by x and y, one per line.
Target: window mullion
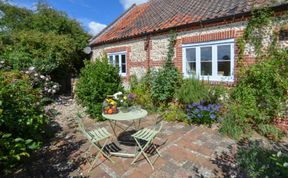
pixel 232 61
pixel 214 61
pixel 198 62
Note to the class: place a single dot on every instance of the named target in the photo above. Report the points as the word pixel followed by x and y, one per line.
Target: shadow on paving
pixel 57 158
pixel 228 163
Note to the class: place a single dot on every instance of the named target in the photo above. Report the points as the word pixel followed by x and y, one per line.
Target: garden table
pixel 134 115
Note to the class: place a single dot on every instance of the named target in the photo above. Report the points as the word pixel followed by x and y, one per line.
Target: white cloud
pixel 128 3
pixel 95 27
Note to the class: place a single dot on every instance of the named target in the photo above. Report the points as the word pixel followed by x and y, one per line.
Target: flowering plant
pixel 109 106
pixel 125 100
pixel 203 113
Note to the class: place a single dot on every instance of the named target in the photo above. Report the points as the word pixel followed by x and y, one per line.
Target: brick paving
pixel 186 151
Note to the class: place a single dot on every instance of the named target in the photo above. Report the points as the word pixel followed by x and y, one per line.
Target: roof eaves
pixel 111 25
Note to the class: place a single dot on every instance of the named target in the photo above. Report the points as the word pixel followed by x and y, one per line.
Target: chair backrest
pixel 158 123
pixel 82 128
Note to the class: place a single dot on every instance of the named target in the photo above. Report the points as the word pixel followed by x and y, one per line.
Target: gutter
pixel 281 7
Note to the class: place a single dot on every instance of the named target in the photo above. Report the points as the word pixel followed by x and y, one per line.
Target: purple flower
pixel 212 116
pixel 199 115
pixel 217 107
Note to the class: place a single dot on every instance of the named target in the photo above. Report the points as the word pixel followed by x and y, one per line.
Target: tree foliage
pixel 45 38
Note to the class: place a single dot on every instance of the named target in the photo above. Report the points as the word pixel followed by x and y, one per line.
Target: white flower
pixel 31 68
pixel 55 86
pixel 279 154
pixel 49 91
pixel 36 75
pixel 42 76
pixel 285 164
pixel 1 62
pixel 53 91
pixel 115 96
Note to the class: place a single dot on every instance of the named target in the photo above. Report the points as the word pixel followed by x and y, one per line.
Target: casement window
pixel 209 61
pixel 119 60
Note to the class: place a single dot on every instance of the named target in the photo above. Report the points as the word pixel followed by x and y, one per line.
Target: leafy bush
pixel 174 113
pixel 203 113
pixel 267 85
pixel 97 80
pixel 234 123
pixel 218 94
pixel 143 91
pixel 22 122
pixel 270 131
pixel 259 96
pixel 191 91
pixel 257 161
pixel 166 80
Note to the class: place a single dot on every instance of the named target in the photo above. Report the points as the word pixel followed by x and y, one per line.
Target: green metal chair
pixel 94 137
pixel 144 139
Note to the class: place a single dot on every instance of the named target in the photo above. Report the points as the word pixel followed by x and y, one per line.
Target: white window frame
pixel 120 61
pixel 213 44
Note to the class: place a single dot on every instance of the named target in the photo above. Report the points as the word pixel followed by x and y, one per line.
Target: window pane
pixel 206 68
pixel 206 54
pixel 117 60
pixel 224 68
pixel 111 59
pixel 191 54
pixel 206 61
pixel 123 68
pixel 191 68
pixel 224 52
pixel 123 59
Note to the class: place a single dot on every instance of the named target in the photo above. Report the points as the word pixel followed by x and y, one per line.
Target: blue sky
pixel 94 15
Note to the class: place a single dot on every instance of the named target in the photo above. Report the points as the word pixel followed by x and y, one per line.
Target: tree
pixel 45 38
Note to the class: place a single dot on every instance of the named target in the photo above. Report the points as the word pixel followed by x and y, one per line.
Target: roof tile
pixel 158 15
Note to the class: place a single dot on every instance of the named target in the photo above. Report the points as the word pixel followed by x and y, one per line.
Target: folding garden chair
pixel 94 137
pixel 144 139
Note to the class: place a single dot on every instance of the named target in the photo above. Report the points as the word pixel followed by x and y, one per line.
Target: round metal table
pixel 134 116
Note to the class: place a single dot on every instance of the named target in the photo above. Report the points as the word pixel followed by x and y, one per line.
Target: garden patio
pixel 186 151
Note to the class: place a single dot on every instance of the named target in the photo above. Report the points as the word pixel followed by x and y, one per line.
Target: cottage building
pixel 207 31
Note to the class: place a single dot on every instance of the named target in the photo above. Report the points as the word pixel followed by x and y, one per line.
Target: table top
pixel 131 115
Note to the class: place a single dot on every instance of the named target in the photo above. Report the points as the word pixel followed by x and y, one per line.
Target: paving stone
pixel 194 147
pixel 170 168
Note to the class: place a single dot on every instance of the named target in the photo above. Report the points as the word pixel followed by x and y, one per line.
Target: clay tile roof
pixel 158 15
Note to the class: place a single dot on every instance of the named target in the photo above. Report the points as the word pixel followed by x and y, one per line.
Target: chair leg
pixel 100 151
pixel 142 152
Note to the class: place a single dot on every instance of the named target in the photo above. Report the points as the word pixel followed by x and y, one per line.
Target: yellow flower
pixel 125 97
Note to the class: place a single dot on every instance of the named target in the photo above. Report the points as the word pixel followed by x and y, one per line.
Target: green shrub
pixel 97 80
pixel 166 80
pixel 267 83
pixel 235 124
pixel 192 90
pixel 257 161
pixel 174 113
pixel 22 119
pixel 271 131
pixel 260 95
pixel 142 90
pixel 218 94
